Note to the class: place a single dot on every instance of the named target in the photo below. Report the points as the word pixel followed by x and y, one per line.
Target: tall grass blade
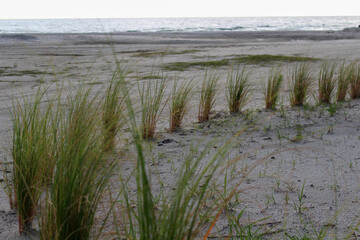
pixel 209 89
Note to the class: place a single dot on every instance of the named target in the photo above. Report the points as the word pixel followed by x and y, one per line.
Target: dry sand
pixel 306 146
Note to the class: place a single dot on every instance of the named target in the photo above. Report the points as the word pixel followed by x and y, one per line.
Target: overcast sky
pixel 24 9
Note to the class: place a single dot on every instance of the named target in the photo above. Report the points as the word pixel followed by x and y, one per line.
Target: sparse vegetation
pixel 238 88
pixel 300 84
pixel 327 81
pixel 179 103
pixel 151 105
pixel 343 81
pixel 273 86
pixel 354 75
pixel 209 89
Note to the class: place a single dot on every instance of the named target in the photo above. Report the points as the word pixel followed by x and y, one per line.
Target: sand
pixel 294 147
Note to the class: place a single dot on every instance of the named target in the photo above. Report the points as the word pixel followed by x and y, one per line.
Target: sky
pixel 49 9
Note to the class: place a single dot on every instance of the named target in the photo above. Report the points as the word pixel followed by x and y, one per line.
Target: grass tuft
pixel 151 105
pixel 180 103
pixel 238 88
pixel 112 118
pixel 300 83
pixel 209 89
pixel 327 81
pixel 272 89
pixel 343 81
pixel 354 75
pixel 81 174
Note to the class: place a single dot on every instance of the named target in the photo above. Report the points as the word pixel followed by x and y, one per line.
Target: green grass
pixel 343 81
pixel 208 92
pixel 112 116
pixel 300 84
pixel 327 81
pixel 151 104
pixel 237 88
pixel 13 73
pixel 250 59
pixel 81 172
pixel 179 103
pixel 273 87
pixel 149 54
pixel 354 75
pixel 32 155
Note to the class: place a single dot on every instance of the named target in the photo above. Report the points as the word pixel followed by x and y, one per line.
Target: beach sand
pixel 293 147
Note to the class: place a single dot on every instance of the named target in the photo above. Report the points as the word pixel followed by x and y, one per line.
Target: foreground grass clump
pixel 209 89
pixel 177 215
pixel 113 117
pixel 238 88
pixel 151 105
pixel 179 103
pixel 272 88
pixel 81 173
pixel 327 81
pixel 354 75
pixel 300 83
pixel 32 156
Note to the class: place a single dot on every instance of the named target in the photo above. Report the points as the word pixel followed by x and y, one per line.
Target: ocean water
pixel 177 24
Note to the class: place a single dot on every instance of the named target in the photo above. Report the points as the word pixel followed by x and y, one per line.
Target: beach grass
pixel 179 103
pixel 327 81
pixel 81 172
pixel 31 154
pixel 113 118
pixel 208 92
pixel 354 75
pixel 238 88
pixel 343 81
pixel 152 95
pixel 272 87
pixel 300 83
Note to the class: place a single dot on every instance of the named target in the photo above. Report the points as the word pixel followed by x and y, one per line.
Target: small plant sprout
pixel 273 86
pixel 209 90
pixel 179 103
pixel 238 88
pixel 327 81
pixel 300 84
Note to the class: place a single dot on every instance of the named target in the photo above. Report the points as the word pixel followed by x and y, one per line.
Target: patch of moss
pixel 265 58
pixel 20 73
pixel 249 59
pixel 162 53
pixel 181 66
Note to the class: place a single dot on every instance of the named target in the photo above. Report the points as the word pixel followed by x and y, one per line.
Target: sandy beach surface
pixel 280 152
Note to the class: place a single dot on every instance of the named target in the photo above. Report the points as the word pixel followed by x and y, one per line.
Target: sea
pixel 177 24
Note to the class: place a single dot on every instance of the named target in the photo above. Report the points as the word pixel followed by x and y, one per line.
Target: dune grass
pixel 177 215
pixel 300 83
pixel 343 81
pixel 208 92
pixel 272 87
pixel 238 88
pixel 179 103
pixel 113 118
pixel 327 81
pixel 81 172
pixel 31 154
pixel 354 75
pixel 152 94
